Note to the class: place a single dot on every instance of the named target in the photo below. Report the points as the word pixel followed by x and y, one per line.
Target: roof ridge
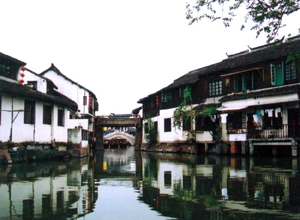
pixel 55 69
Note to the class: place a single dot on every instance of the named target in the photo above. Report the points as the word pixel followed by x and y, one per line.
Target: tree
pixel 267 15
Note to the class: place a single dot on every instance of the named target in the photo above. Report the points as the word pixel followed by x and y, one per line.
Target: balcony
pixel 271 133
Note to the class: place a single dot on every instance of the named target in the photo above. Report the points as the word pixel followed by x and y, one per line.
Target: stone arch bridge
pixel 122 135
pixel 121 122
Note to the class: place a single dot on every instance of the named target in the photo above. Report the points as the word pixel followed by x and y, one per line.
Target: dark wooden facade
pixel 267 71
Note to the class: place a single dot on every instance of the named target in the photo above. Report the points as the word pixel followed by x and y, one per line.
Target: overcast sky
pixel 121 50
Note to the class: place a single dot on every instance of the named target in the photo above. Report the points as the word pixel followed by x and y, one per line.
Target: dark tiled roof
pixel 21 63
pixel 19 90
pixel 136 110
pixel 55 69
pixel 112 115
pixel 275 91
pixel 253 56
pixel 239 60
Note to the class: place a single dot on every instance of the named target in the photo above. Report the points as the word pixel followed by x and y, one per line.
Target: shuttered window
pixel 276 74
pixel 290 71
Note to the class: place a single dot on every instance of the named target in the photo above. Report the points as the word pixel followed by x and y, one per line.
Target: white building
pixel 85 99
pixel 35 114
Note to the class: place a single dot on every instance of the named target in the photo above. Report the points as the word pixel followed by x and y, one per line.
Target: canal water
pixel 124 184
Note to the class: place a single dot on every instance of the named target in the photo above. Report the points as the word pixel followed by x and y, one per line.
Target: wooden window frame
pixel 273 73
pixel 167 125
pixel 215 88
pixel 146 127
pixel 29 112
pixel 166 96
pixel 47 114
pixel 33 84
pixel 290 71
pixel 85 135
pixel 60 117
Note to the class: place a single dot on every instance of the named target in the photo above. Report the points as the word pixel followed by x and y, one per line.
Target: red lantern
pixel 21 74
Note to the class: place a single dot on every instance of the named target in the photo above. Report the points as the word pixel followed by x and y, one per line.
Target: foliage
pixel 294 58
pixel 185 113
pixel 151 136
pixel 266 15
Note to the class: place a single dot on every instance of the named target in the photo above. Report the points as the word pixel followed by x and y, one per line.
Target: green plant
pixel 185 114
pixel 151 136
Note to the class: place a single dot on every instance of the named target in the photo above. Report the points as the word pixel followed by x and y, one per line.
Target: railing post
pixel 294 148
pixel 251 148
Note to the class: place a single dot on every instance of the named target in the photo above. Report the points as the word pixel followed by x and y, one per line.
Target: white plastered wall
pixel 6 104
pixel 174 135
pixel 37 132
pixel 69 89
pixel 41 83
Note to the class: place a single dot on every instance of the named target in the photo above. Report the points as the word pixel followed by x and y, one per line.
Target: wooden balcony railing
pixel 281 132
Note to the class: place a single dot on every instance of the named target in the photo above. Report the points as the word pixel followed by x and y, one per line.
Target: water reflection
pixel 190 187
pixel 50 190
pixel 124 184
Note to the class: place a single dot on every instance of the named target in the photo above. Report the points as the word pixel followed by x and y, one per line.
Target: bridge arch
pixel 121 135
pixel 122 122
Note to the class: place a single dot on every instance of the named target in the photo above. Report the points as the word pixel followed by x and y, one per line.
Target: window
pixel 167 125
pixel 146 128
pixel 215 88
pixel 32 85
pixel 29 112
pixel 235 121
pixel 276 74
pixel 186 124
pixel 168 178
pixel 166 96
pixel 155 126
pixel 47 114
pixel 85 100
pixel 290 71
pixel 60 117
pixel 246 81
pixel 204 123
pixel 184 91
pixel 85 135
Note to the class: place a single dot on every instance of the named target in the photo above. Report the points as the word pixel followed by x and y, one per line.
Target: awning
pixel 224 109
pixel 243 71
